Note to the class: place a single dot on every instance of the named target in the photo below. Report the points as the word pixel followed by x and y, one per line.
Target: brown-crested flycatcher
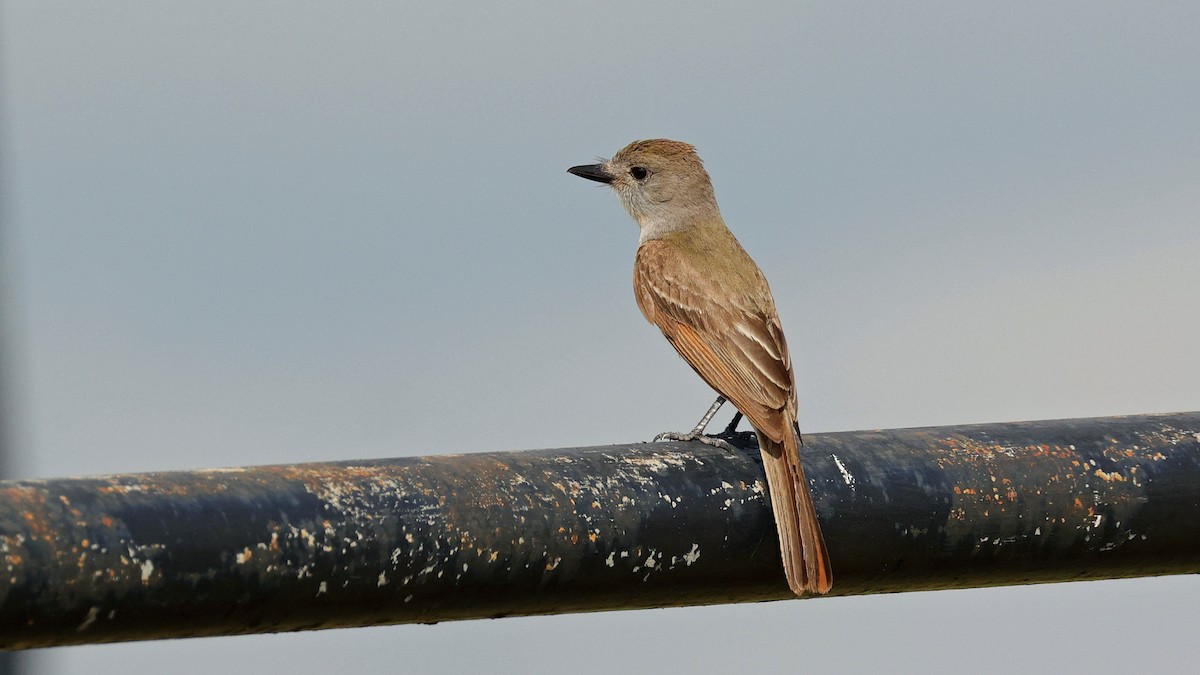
pixel 694 281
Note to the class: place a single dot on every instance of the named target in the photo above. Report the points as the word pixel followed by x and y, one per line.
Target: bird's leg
pixel 731 428
pixel 697 433
pixel 712 410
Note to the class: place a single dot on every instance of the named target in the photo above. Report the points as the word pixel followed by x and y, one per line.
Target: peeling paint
pixel 438 538
pixel 90 619
pixel 693 555
pixel 846 475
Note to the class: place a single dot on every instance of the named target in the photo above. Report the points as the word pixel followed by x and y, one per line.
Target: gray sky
pixel 249 233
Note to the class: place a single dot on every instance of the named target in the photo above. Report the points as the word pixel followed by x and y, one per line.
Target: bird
pixel 695 282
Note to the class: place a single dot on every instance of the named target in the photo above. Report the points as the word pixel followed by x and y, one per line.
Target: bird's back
pixel 725 327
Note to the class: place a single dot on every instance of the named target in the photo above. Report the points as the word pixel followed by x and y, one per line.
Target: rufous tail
pixel 805 560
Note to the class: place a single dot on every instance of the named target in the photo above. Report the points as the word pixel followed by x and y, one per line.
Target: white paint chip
pixel 846 475
pixel 88 620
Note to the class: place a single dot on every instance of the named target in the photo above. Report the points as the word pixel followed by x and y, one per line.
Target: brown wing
pixel 728 332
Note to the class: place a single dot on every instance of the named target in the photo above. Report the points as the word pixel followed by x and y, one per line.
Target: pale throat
pixel 657 220
pixel 658 225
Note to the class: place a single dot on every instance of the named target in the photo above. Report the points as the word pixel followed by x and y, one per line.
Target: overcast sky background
pixel 264 232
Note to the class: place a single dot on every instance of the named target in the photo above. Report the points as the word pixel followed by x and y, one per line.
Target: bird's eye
pixel 639 172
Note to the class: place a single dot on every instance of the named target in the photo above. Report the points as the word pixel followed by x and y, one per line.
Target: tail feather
pixel 801 544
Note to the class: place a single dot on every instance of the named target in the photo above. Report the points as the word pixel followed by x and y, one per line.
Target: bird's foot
pixel 715 441
pixel 724 440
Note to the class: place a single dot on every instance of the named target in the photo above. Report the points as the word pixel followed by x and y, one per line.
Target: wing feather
pixel 735 343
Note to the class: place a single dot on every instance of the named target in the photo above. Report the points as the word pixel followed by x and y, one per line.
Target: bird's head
pixel 661 183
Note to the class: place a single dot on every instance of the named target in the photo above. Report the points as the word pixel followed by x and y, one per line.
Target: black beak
pixel 594 172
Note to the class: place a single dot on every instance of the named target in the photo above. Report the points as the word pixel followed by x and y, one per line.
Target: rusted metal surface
pixel 431 539
pixel 11 663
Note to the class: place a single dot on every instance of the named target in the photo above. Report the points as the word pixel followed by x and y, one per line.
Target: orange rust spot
pixel 1078 503
pixel 591 536
pixel 107 521
pixel 574 538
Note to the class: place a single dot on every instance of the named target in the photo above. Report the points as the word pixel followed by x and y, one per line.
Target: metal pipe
pixel 427 539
